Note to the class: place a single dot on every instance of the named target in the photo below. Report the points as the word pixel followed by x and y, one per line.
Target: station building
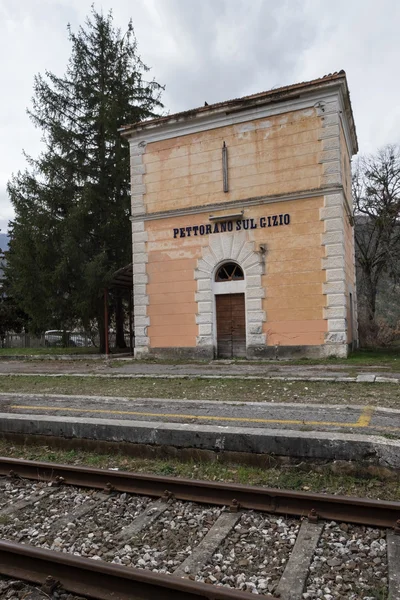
pixel 242 228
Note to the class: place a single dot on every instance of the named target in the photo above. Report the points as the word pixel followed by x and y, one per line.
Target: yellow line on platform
pixel 362 421
pixel 366 416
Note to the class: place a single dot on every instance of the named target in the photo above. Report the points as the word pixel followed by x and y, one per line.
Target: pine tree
pixel 71 230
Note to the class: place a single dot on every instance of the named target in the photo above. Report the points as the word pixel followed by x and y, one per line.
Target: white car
pixel 56 337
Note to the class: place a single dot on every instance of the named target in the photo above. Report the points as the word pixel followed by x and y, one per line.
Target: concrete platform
pixel 294 416
pixel 328 432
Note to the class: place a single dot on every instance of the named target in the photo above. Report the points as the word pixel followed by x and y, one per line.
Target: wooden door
pixel 231 325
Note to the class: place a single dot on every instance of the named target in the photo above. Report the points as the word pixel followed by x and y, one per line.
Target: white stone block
pixel 205 307
pixel 330 106
pixel 202 274
pixel 136 180
pixel 250 260
pixel 334 225
pixel 245 252
pixel 338 349
pixel 141 352
pixel 256 316
pixel 137 227
pixel 336 300
pixel 331 143
pixel 328 155
pixel 204 266
pixel 138 169
pixel 139 247
pixel 137 210
pixel 141 321
pixel 204 318
pixel 204 285
pixel 141 341
pixel 256 269
pixel 136 159
pixel 335 312
pixel 137 149
pixel 255 328
pixel 140 278
pixel 205 296
pixel 334 287
pixel 336 337
pixel 140 311
pixel 137 200
pixel 331 200
pixel 333 237
pixel 334 250
pixel 255 293
pixel 329 132
pixel 140 257
pixel 205 329
pixel 332 166
pixel 332 212
pixel 333 262
pixel 331 179
pixel 140 290
pixel 140 300
pixel 140 331
pixel 253 304
pixel 253 281
pixel 330 119
pixel 336 325
pixel 209 258
pixel 140 237
pixel 256 339
pixel 204 340
pixel 335 275
pixel 139 268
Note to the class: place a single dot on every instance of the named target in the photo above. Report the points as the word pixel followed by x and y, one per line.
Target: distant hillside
pixel 3 241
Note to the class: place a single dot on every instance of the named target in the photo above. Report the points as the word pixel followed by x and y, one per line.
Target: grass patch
pixel 317 479
pixel 192 388
pixel 52 351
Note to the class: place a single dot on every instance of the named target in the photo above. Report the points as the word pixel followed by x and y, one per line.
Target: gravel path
pixel 350 562
pixel 254 556
pixel 170 539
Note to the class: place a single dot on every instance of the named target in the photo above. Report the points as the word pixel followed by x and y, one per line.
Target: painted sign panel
pixel 241 224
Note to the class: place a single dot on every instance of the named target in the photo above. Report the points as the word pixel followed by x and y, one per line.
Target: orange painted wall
pixel 265 157
pixel 292 281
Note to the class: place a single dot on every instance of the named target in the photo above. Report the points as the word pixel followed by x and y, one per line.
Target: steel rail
pixel 103 581
pixel 363 511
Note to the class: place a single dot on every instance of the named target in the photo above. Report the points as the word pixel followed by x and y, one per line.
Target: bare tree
pixel 376 191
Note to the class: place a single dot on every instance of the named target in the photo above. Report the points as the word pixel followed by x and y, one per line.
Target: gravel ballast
pixel 254 556
pixel 350 562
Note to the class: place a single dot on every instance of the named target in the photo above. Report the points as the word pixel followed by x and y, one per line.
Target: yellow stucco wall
pixel 292 281
pixel 265 157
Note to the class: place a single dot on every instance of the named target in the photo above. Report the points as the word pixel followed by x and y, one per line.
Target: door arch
pixel 221 248
pixel 230 311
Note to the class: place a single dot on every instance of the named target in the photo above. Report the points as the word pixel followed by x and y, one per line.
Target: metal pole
pixel 130 322
pixel 106 321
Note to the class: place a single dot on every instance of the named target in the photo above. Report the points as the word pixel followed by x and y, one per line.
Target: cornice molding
pixel 225 117
pixel 194 210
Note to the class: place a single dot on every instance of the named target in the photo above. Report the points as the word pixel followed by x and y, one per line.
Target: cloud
pixel 211 51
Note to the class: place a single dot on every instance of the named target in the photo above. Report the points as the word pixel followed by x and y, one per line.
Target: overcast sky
pixel 210 50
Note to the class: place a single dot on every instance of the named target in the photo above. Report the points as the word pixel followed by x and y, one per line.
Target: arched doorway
pixel 230 311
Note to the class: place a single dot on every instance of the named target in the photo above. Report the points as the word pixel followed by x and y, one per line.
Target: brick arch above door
pixel 235 247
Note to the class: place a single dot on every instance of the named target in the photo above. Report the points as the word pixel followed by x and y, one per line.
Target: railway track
pixel 113 535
